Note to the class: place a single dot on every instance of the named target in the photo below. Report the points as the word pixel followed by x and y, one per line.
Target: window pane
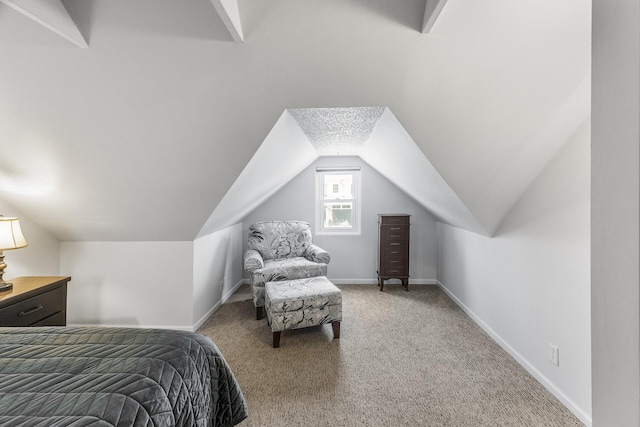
pixel 337 215
pixel 338 186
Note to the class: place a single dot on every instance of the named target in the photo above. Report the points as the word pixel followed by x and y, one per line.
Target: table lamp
pixel 10 238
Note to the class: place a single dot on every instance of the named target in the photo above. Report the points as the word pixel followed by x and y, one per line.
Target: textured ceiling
pixel 337 131
pixel 141 135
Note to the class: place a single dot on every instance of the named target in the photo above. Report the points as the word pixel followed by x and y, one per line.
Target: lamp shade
pixel 11 236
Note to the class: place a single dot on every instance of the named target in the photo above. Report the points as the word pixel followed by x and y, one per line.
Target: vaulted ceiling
pixel 140 135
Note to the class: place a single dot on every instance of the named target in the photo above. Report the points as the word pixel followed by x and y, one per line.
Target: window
pixel 338 198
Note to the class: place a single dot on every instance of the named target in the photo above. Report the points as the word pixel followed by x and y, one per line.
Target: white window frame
pixel 321 172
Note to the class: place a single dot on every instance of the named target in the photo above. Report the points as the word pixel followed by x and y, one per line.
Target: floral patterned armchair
pixel 281 250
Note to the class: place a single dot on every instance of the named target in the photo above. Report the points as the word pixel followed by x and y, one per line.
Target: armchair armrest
pixel 317 254
pixel 253 260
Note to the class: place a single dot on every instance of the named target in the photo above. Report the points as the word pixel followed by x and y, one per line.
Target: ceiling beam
pixel 431 12
pixel 230 15
pixel 52 15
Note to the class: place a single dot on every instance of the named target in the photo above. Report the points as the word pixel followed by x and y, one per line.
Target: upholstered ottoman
pixel 301 303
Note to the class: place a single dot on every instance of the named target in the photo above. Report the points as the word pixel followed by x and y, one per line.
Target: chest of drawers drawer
pixel 394 233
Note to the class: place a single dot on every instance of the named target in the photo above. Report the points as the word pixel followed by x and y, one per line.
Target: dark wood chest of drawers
pixel 393 248
pixel 35 301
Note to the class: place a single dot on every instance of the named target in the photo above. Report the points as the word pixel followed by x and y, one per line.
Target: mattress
pixel 61 376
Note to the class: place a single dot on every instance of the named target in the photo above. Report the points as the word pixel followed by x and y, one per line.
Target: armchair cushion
pixel 290 268
pixel 317 254
pixel 253 260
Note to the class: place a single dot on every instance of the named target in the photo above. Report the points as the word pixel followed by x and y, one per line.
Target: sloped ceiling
pixel 140 135
pixel 374 134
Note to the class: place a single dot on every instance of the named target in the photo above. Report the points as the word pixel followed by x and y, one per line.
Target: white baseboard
pixel 373 281
pixel 115 325
pixel 550 386
pixel 217 305
pixel 337 281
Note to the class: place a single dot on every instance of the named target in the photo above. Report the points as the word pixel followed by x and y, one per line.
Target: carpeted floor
pixel 403 359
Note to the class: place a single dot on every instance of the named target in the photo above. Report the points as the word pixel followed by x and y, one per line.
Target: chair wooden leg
pixel 259 313
pixel 336 329
pixel 276 339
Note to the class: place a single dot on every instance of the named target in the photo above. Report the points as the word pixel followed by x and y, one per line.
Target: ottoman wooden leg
pixel 336 329
pixel 259 313
pixel 276 339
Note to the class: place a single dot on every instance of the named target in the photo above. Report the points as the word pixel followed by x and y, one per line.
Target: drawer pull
pixel 33 310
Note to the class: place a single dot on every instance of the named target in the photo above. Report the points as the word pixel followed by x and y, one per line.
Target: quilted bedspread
pixel 61 376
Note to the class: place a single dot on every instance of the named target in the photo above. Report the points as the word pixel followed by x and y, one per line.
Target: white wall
pixel 42 255
pixel 217 270
pixel 286 150
pixel 353 258
pixel 175 285
pixel 138 284
pixel 394 154
pixel 529 285
pixel 615 212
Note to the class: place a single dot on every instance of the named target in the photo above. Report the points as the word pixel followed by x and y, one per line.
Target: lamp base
pixel 4 286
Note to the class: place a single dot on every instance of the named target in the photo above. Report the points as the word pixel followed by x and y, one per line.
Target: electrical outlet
pixel 554 355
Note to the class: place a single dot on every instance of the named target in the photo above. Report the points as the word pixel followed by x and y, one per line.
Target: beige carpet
pixel 403 359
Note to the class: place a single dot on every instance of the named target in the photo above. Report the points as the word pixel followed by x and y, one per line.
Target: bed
pixel 60 376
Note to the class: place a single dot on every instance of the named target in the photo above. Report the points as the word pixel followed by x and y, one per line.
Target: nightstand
pixel 35 301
